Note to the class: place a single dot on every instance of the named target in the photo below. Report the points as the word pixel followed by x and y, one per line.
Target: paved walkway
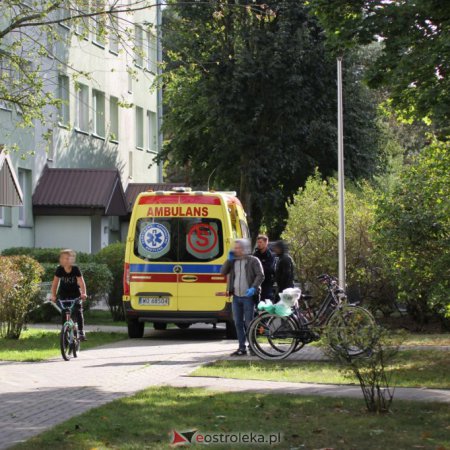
pixel 37 396
pixel 281 387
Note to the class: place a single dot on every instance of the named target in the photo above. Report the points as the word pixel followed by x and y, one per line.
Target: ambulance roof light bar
pixel 181 189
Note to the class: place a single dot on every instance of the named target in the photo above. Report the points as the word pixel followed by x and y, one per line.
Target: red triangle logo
pixel 178 438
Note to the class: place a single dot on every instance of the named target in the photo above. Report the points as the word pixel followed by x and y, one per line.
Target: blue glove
pixel 230 255
pixel 250 292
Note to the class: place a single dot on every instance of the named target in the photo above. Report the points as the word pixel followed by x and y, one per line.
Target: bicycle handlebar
pixel 59 306
pixel 331 281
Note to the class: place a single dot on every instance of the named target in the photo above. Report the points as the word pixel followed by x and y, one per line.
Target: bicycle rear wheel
pixel 75 343
pixel 65 342
pixel 272 337
pixel 349 329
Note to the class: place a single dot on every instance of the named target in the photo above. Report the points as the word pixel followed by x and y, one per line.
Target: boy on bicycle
pixel 68 284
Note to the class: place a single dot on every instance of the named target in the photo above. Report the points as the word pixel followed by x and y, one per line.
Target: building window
pixel 5 216
pixel 114 118
pixel 98 105
pixel 130 164
pixel 24 181
pixel 50 144
pixel 130 82
pixel 139 127
pixel 152 54
pixel 82 122
pixel 82 26
pixel 138 46
pixel 114 35
pixel 63 93
pixel 6 77
pixel 99 23
pixel 152 131
pixel 65 13
pixel 50 47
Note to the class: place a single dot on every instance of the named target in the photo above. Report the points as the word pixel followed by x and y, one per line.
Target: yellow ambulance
pixel 177 242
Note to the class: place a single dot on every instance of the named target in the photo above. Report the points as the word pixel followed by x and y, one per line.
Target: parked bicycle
pixel 68 339
pixel 272 336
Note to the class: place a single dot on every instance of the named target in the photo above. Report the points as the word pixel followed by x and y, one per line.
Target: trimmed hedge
pixel 98 280
pixel 97 276
pixel 45 255
pixel 103 274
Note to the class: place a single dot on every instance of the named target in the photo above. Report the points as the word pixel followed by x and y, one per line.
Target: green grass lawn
pixel 411 368
pixel 145 421
pixel 411 339
pixel 37 345
pixel 100 317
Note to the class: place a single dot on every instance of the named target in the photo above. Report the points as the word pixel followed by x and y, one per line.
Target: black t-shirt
pixel 68 286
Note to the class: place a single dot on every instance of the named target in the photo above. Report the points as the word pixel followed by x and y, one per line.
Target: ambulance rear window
pixel 178 239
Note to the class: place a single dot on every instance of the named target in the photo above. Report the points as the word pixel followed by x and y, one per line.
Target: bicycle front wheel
pixel 272 337
pixel 350 330
pixel 65 340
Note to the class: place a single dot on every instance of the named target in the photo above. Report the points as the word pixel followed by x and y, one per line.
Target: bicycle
pixel 68 339
pixel 274 337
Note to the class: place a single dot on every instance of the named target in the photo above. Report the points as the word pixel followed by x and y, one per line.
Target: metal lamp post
pixel 341 186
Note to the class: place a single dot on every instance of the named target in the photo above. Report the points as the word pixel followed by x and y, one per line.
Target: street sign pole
pixel 341 186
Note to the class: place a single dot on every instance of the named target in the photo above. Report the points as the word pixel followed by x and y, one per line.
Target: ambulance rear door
pixel 153 268
pixel 202 252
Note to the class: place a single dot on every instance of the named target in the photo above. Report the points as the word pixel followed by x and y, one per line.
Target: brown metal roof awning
pixel 134 189
pixel 79 192
pixel 10 191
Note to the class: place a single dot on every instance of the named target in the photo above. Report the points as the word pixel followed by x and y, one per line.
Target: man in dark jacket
pixel 284 271
pixel 245 275
pixel 267 259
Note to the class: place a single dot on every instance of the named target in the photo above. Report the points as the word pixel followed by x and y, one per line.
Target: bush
pixel 412 230
pixel 98 280
pixel 45 255
pixel 312 233
pixel 113 256
pixel 20 278
pixel 372 369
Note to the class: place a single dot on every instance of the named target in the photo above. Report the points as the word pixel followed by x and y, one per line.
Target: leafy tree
pixel 415 54
pixel 30 30
pixel 412 231
pixel 312 232
pixel 250 102
pixel 113 257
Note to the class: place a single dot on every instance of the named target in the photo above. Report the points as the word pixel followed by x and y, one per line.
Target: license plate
pixel 154 301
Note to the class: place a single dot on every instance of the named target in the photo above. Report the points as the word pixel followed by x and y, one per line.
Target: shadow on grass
pixel 412 368
pixel 25 414
pixel 147 419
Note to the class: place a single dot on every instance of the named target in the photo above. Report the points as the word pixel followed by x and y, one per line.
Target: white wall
pixel 108 73
pixel 64 232
pixel 70 148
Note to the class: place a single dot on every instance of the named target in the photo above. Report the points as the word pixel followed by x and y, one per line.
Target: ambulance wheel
pixel 231 330
pixel 135 329
pixel 183 326
pixel 159 326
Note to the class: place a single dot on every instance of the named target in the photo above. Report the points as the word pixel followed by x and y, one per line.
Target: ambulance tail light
pixel 126 279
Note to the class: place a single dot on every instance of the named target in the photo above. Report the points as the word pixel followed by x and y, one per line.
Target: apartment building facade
pixel 103 137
